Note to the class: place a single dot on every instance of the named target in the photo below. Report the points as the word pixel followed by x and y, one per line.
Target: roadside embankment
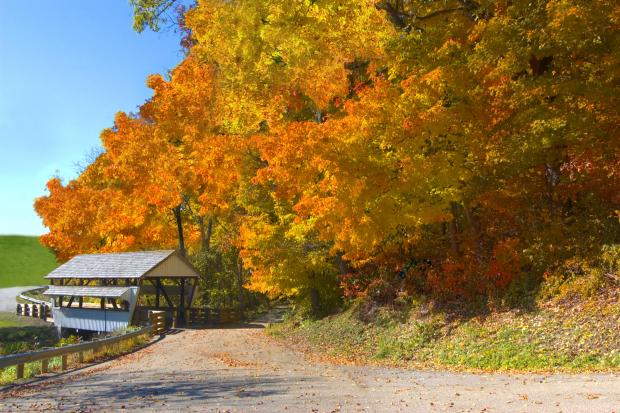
pixel 567 336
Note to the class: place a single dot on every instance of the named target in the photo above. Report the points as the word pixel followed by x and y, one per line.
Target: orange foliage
pixel 334 137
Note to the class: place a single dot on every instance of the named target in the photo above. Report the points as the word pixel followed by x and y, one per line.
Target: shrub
pixel 583 278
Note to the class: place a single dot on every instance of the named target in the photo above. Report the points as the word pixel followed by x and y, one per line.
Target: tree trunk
pixel 240 284
pixel 315 297
pixel 454 228
pixel 207 239
pixel 201 228
pixel 474 228
pixel 205 233
pixel 342 265
pixel 552 177
pixel 315 301
pixel 179 220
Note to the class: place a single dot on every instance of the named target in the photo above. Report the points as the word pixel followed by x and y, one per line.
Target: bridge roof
pixel 87 291
pixel 124 265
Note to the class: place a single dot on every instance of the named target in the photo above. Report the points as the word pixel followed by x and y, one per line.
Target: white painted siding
pixel 89 319
pixel 95 319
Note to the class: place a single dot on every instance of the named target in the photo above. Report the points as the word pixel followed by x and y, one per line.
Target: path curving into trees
pixel 240 370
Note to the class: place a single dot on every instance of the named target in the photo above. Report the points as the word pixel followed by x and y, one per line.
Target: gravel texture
pixel 242 370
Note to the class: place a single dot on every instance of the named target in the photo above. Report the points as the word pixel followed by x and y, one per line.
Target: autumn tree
pixel 449 147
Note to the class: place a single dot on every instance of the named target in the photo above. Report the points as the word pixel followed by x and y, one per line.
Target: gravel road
pixel 241 370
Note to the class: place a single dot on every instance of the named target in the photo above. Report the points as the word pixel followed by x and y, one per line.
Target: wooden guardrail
pixel 45 355
pixel 41 311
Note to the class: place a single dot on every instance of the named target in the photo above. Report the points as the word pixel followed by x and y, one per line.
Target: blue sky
pixel 66 67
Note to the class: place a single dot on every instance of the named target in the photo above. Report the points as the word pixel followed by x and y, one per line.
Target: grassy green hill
pixel 23 261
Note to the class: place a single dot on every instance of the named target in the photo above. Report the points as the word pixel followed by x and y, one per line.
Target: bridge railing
pixel 26 297
pixel 41 311
pixel 213 316
pixel 158 321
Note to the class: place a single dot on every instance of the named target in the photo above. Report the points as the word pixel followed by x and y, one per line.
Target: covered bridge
pixel 106 292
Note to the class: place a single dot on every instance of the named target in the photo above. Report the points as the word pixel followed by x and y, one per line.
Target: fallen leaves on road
pixel 231 362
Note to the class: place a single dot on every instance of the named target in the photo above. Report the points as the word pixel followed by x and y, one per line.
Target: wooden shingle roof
pixel 112 265
pixel 86 291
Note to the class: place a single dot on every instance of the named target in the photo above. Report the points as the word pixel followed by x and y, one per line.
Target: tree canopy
pixel 450 147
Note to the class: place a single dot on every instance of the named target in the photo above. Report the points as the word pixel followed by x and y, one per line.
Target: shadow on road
pixel 226 326
pixel 115 390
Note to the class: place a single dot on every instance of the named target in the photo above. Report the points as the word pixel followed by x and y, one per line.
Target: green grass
pixel 13 320
pixel 24 261
pixel 18 334
pixel 572 338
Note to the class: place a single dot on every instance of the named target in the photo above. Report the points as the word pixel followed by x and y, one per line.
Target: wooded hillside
pixel 333 148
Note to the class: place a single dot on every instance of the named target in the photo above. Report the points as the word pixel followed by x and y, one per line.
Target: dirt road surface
pixel 241 370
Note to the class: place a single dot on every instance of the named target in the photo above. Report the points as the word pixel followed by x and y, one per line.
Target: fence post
pixel 19 370
pixel 45 355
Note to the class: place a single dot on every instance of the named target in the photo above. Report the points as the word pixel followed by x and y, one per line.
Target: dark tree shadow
pixel 224 326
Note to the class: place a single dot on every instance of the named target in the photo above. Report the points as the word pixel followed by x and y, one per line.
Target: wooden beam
pixel 81 299
pixel 191 294
pixel 163 291
pixel 165 294
pixel 182 300
pixel 182 295
pixel 62 282
pixel 157 292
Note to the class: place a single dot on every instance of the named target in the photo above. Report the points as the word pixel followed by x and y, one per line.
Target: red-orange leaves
pixel 505 263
